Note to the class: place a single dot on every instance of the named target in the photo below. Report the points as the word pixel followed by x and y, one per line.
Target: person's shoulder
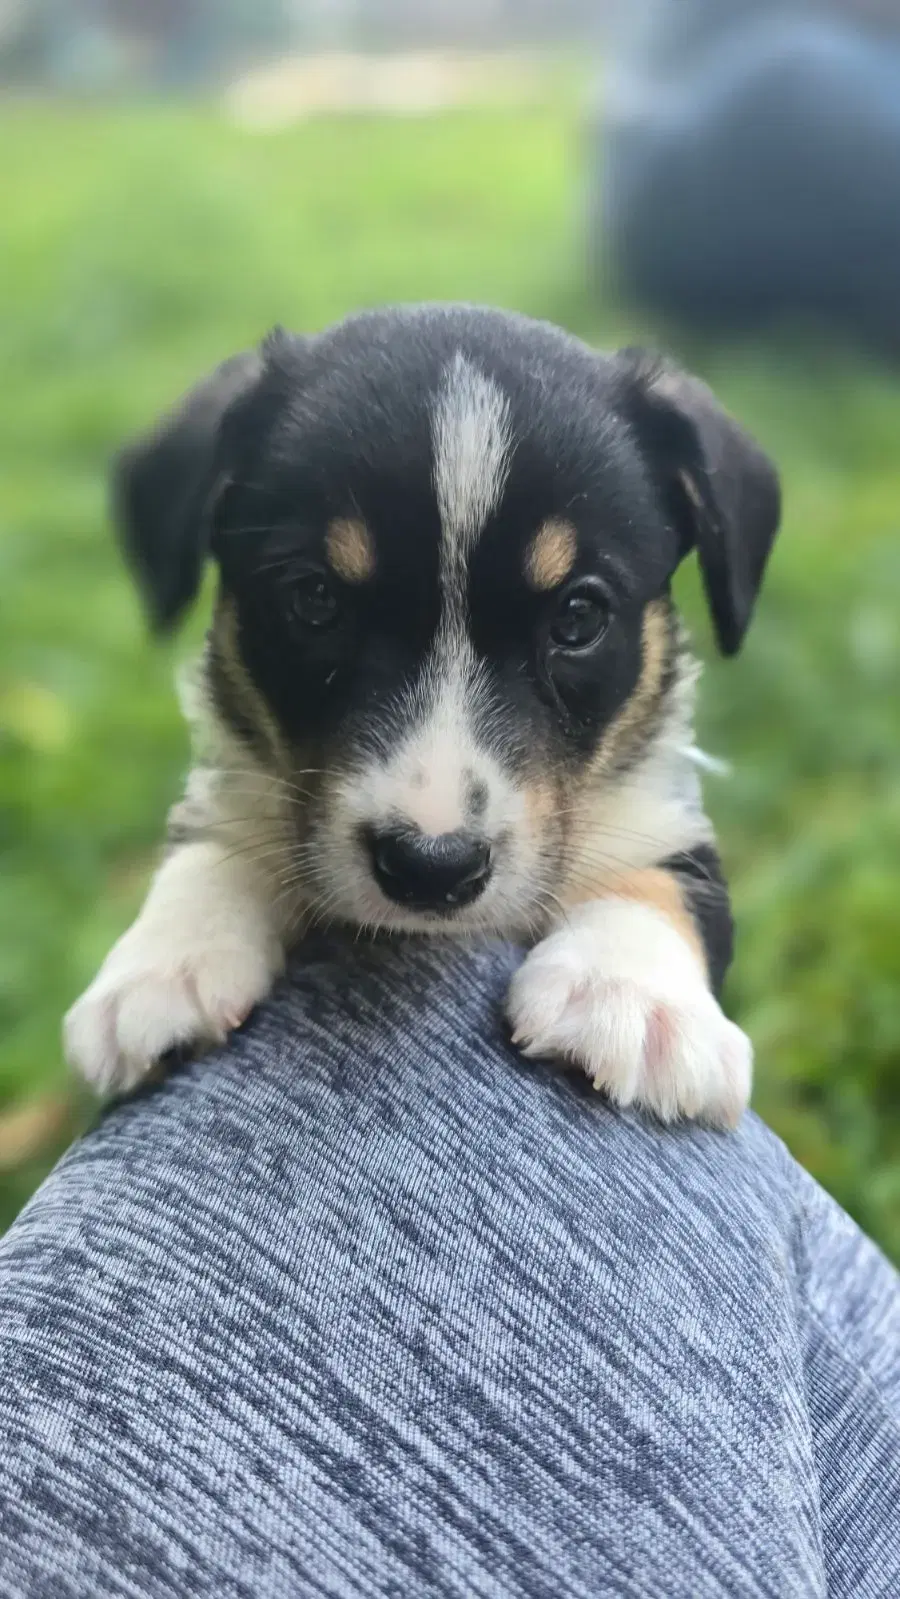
pixel 849 1293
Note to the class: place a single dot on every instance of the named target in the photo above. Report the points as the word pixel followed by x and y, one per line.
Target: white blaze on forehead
pixel 472 440
pixel 427 780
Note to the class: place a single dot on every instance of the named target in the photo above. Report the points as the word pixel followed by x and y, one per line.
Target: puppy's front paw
pixel 152 996
pixel 620 993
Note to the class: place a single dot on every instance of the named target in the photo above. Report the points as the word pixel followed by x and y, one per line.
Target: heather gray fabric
pixel 365 1306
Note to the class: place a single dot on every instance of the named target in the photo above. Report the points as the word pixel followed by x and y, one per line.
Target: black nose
pixel 430 873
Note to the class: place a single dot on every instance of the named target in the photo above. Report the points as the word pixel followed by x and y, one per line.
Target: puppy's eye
pixel 313 601
pixel 581 619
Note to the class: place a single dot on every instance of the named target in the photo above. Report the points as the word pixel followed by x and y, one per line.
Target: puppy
pixel 444 690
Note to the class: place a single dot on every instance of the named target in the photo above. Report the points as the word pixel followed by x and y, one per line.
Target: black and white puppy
pixel 444 690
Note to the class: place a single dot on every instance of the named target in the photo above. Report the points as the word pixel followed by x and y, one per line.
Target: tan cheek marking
pixel 551 555
pixel 545 812
pixel 587 875
pixel 655 640
pixel 541 803
pixel 654 887
pixel 634 713
pixel 350 549
pixel 242 692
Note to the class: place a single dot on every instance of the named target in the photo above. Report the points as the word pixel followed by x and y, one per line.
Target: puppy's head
pixel 445 539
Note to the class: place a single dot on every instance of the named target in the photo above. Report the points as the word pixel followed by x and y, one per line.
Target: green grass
pixel 139 248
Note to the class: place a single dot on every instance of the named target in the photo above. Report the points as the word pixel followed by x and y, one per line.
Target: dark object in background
pixel 752 164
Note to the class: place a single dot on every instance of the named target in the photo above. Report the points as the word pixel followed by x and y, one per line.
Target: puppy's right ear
pixel 163 487
pixel 721 491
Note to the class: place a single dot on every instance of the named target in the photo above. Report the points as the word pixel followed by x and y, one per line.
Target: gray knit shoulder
pixel 366 1306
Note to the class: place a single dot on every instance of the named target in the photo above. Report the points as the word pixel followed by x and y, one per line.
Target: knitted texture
pixel 365 1306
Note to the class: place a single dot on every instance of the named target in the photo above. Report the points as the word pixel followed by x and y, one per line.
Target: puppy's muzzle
pixel 430 872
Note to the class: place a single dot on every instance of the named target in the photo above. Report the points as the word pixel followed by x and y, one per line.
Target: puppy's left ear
pixel 720 490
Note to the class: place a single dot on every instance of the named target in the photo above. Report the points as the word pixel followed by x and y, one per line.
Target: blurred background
pixel 717 177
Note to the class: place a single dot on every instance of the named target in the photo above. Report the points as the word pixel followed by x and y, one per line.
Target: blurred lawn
pixel 139 248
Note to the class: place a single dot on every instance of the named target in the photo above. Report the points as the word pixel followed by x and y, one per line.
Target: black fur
pixel 722 492
pixel 162 488
pixel 261 456
pixel 702 882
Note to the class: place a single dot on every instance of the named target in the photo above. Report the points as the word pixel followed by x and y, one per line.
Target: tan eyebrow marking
pixel 551 554
pixel 350 549
pixel 628 728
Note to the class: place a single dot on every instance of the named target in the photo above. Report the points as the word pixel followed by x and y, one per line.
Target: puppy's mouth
pixel 440 874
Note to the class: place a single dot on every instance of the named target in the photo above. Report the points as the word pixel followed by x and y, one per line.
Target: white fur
pixel 211 935
pixel 618 991
pixel 202 953
pixel 471 440
pixel 426 778
pixel 424 782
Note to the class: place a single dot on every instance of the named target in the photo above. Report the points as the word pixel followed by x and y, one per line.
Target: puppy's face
pixel 445 541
